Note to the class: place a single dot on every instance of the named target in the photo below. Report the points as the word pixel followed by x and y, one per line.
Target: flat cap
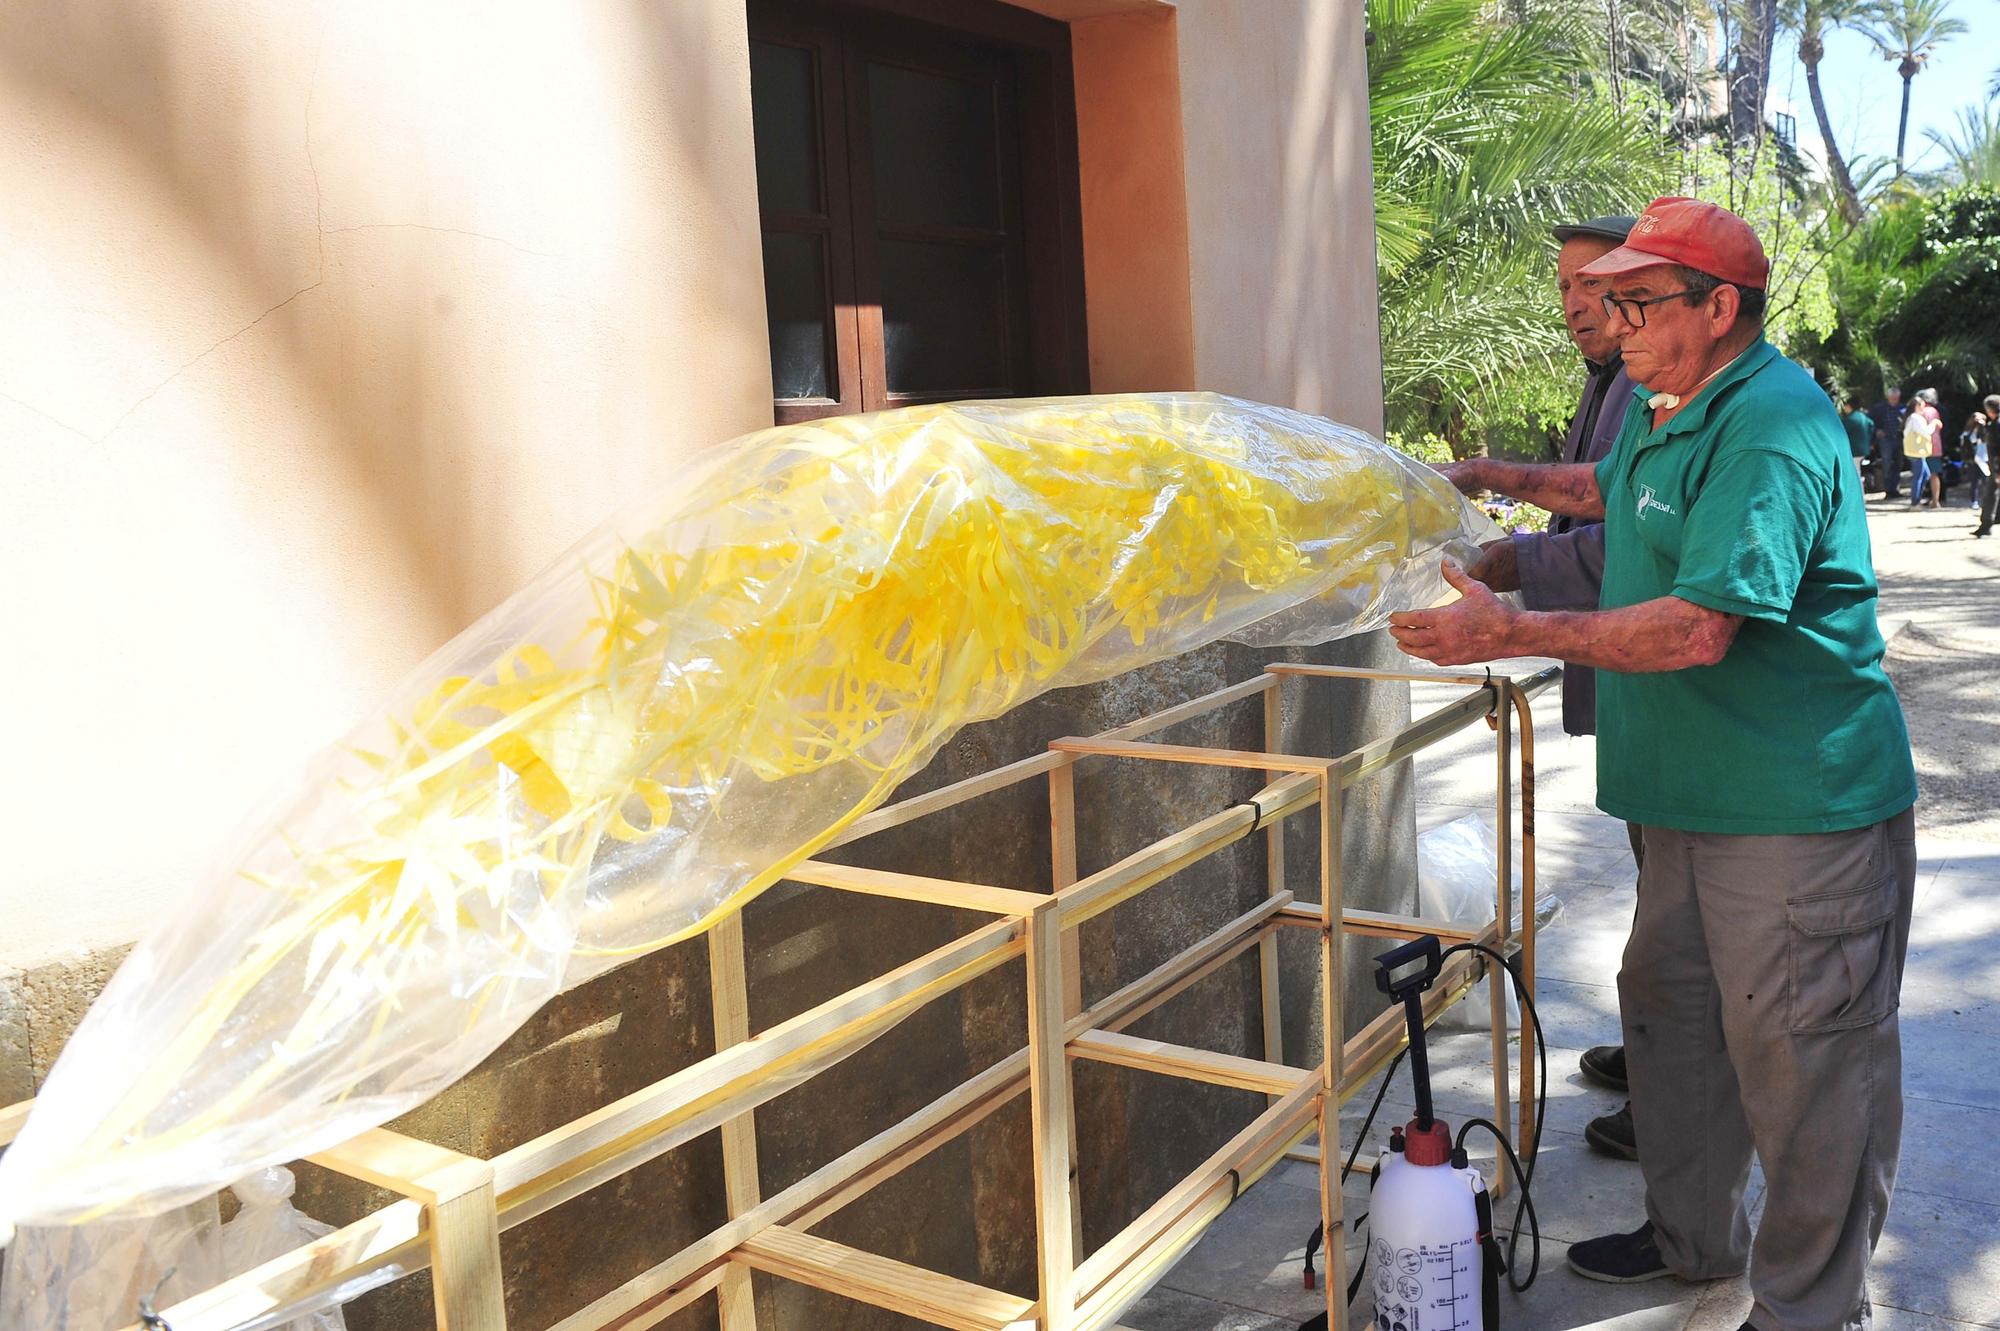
pixel 1615 229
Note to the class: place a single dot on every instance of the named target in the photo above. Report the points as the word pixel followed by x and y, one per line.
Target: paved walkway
pixel 1939 1263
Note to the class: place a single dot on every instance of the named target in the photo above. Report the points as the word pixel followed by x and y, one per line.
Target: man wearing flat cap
pixel 1745 722
pixel 1562 568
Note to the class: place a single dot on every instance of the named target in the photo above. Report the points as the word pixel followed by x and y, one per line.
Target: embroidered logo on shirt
pixel 1646 501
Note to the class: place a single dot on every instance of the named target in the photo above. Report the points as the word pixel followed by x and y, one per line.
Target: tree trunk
pixel 1750 71
pixel 1850 205
pixel 1903 126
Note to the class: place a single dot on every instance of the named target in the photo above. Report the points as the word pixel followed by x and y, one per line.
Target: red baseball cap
pixel 1701 236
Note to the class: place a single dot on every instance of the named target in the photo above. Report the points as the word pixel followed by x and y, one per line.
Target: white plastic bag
pixel 1458 865
pixel 270 1226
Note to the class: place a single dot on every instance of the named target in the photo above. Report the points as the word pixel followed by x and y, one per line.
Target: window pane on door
pixel 943 316
pixel 935 152
pixel 795 303
pixel 783 116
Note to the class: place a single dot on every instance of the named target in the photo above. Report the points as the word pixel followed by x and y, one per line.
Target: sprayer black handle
pixel 1427 949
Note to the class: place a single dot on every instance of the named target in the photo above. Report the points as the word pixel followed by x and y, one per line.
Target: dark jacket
pixel 1888 422
pixel 1563 568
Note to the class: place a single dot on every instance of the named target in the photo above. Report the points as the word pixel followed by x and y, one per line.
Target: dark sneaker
pixel 1613 1134
pixel 1620 1259
pixel 1605 1065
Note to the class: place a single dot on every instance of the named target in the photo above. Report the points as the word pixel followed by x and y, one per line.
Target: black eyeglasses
pixel 1634 311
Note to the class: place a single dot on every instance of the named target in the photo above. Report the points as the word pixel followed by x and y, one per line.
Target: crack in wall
pixel 203 355
pixel 447 230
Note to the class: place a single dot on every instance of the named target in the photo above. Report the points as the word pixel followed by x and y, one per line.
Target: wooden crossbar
pixel 1177 1060
pixel 884 1282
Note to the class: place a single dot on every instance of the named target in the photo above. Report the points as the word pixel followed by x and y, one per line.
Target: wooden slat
pixel 404 1165
pixel 1138 871
pixel 1503 898
pixel 391 1239
pixel 1382 924
pixel 466 1289
pixel 1062 871
pixel 729 1001
pixel 462 1219
pixel 1050 1109
pixel 1420 734
pixel 1531 683
pixel 1177 1060
pixel 1188 711
pixel 598 1317
pixel 944 797
pixel 1188 753
pixel 884 1282
pixel 1333 907
pixel 12 1119
pixel 972 787
pixel 915 887
pixel 1525 1122
pixel 1270 994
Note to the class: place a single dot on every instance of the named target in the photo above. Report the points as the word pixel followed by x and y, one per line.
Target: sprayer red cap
pixel 1426 1148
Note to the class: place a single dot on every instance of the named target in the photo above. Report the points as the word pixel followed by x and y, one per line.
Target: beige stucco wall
pixel 326 325
pixel 1281 212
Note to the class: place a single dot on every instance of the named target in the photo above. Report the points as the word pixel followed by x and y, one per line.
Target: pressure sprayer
pixel 1433 1262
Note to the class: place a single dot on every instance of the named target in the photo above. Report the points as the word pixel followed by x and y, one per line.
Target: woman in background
pixel 1917 438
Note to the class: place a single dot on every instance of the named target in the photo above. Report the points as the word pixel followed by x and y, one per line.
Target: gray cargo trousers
pixel 1759 994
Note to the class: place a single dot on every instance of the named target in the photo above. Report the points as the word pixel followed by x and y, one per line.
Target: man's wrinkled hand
pixel 1473 628
pixel 1498 565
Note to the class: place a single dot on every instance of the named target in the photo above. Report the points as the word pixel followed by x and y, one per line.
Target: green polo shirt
pixel 1860 432
pixel 1747 502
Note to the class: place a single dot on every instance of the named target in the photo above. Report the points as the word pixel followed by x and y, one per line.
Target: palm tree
pixel 1750 68
pixel 1909 33
pixel 1484 132
pixel 1972 153
pixel 1810 19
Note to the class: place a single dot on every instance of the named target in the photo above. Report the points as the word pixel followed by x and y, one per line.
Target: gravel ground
pixel 1941 611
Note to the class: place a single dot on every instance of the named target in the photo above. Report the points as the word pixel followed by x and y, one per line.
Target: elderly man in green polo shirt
pixel 1744 720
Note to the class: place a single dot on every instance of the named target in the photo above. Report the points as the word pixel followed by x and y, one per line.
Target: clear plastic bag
pixel 267 1225
pixel 692 700
pixel 1458 864
pixel 94 1277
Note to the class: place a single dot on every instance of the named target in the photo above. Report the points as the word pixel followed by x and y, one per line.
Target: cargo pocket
pixel 1843 968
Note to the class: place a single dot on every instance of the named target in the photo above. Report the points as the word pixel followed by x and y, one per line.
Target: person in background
pixel 1969 440
pixel 1562 569
pixel 1917 449
pixel 1935 499
pixel 1860 432
pixel 1985 461
pixel 1888 418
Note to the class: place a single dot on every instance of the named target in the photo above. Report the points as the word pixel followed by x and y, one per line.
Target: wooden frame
pixel 452 1207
